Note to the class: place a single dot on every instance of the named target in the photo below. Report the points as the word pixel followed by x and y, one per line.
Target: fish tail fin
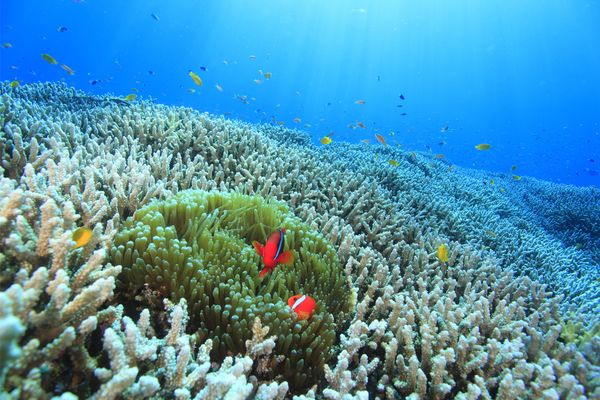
pixel 287 257
pixel 263 272
pixel 258 247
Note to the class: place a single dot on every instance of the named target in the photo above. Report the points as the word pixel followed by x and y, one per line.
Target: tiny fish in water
pixel 49 58
pixel 252 57
pixel 394 163
pixel 156 18
pixel 203 69
pixel 516 177
pixel 513 168
pixel 267 75
pixel 297 120
pixel 444 129
pixel 442 253
pixel 257 81
pixel 7 45
pixel 14 84
pixel 150 72
pixel 195 78
pixel 365 141
pixel 302 305
pixel 401 97
pixel 439 156
pixel 359 102
pixel 404 114
pixel 62 29
pixel 219 88
pixel 95 81
pixel 272 252
pixel 361 125
pixel 490 233
pixel 81 236
pixel 492 182
pixel 68 69
pixel 483 146
pixel 326 140
pixel 131 97
pixel 380 139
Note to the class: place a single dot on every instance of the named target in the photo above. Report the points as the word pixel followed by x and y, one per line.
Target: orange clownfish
pixel 272 252
pixel 302 305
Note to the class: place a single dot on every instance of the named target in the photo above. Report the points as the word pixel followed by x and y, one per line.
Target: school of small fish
pixel 267 76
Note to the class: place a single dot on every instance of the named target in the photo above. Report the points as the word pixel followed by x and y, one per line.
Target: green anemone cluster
pixel 197 245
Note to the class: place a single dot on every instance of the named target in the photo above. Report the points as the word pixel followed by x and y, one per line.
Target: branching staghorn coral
pixel 51 295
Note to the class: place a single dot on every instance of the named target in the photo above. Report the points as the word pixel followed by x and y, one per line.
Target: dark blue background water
pixel 523 76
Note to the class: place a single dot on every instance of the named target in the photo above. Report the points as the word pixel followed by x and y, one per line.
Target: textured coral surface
pixel 512 314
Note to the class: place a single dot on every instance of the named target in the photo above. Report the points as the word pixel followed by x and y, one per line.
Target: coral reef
pixel 488 323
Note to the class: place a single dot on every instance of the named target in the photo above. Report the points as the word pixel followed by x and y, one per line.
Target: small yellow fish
pixel 195 78
pixel 66 68
pixel 81 236
pixel 516 177
pixel 297 120
pixel 219 87
pixel 7 45
pixel 359 102
pixel 326 140
pixel 490 233
pixel 394 163
pixel 192 90
pixel 492 182
pixel 49 58
pixel 502 189
pixel 131 97
pixel 14 84
pixel 442 253
pixel 267 75
pixel 280 123
pixel 483 146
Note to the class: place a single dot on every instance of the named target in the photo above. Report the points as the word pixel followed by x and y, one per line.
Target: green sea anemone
pixel 197 245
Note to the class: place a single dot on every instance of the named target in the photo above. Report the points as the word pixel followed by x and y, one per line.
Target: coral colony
pixel 127 268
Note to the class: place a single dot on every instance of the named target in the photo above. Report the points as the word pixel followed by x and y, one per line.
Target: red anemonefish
pixel 302 305
pixel 272 252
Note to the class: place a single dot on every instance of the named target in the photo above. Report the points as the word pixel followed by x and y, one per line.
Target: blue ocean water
pixel 523 76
